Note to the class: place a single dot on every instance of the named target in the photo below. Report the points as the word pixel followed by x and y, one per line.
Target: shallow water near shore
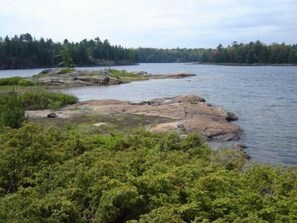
pixel 264 98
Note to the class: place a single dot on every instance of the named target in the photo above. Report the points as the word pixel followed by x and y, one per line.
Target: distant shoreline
pixel 29 68
pixel 242 64
pixel 187 63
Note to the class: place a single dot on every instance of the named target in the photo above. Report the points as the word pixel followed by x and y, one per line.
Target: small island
pixel 69 77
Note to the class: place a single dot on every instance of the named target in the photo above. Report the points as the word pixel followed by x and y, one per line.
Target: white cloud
pixel 157 23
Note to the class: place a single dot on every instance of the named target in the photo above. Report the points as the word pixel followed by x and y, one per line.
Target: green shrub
pixel 66 70
pixel 46 100
pixel 51 175
pixel 12 113
pixel 15 81
pixel 40 100
pixel 123 74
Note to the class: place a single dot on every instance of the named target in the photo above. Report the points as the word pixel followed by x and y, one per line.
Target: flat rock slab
pixel 67 78
pixel 188 113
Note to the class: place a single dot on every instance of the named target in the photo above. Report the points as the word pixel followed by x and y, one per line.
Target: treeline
pixel 24 51
pixel 178 55
pixel 237 53
pixel 252 53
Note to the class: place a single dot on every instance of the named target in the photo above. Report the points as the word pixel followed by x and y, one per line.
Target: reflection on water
pixel 264 98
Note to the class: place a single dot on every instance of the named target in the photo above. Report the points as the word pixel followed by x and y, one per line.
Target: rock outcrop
pixel 75 78
pixel 187 113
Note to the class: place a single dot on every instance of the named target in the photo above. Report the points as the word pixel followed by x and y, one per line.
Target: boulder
pixel 52 115
pixel 179 75
pixel 231 117
pixel 94 80
pixel 142 73
pixel 100 124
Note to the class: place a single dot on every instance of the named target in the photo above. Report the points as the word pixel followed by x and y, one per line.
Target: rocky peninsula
pixel 68 77
pixel 183 114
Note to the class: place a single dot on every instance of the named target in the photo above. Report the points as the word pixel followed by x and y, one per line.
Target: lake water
pixel 264 98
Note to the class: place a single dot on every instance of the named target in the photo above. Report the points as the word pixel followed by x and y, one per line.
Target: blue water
pixel 264 98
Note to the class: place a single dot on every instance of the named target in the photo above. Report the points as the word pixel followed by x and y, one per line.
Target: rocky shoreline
pixel 67 77
pixel 185 114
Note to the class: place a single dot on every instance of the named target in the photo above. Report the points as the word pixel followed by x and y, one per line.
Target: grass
pixel 126 76
pixel 65 70
pixel 115 123
pixel 32 95
pixel 5 89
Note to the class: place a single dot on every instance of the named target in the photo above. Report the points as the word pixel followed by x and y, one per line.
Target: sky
pixel 153 23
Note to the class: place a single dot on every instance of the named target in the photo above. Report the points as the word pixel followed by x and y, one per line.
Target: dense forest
pixel 252 53
pixel 237 53
pixel 24 51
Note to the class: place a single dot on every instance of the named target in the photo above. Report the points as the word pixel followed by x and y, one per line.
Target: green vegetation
pixel 41 100
pixel 237 53
pixel 46 100
pixel 125 75
pixel 66 70
pixel 52 175
pixel 13 105
pixel 117 123
pixel 66 58
pixel 15 81
pixel 12 113
pixel 26 52
pixel 178 55
pixel 252 53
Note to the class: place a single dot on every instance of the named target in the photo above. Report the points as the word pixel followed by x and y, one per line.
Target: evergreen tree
pixel 66 59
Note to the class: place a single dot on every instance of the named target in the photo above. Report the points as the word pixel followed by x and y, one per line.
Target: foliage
pixel 12 113
pixel 51 175
pixel 252 53
pixel 24 51
pixel 154 55
pixel 66 70
pixel 125 75
pixel 15 81
pixel 46 100
pixel 66 59
pixel 237 53
pixel 30 100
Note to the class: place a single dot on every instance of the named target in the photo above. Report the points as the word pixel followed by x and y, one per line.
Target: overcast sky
pixel 153 23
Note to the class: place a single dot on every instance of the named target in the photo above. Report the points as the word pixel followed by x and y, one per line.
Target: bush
pixel 46 100
pixel 51 175
pixel 34 100
pixel 66 70
pixel 123 74
pixel 12 113
pixel 15 81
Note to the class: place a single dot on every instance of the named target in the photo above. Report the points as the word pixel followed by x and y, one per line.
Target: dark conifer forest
pixel 25 51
